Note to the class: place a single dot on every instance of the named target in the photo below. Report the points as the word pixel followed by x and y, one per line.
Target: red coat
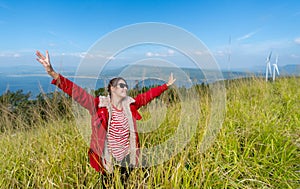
pixel 100 115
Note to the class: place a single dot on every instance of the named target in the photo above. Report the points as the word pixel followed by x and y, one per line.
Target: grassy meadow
pixel 258 146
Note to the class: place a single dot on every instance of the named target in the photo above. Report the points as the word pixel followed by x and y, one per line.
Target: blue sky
pixel 245 30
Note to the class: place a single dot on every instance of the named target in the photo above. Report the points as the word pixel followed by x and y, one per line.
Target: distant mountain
pixel 21 69
pixel 292 69
pixel 32 78
pixel 287 70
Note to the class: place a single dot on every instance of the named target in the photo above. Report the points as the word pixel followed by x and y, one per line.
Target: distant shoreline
pixel 36 81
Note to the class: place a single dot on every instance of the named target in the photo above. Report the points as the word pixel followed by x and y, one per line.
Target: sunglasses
pixel 122 85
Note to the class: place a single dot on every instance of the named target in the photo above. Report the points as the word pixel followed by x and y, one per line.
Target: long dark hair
pixel 113 83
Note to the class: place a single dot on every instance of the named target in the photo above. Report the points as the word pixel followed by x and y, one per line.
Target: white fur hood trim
pixel 104 101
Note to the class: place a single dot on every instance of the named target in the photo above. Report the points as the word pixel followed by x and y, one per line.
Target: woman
pixel 114 139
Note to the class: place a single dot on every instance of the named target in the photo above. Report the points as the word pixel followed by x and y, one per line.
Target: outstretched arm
pixel 45 61
pixel 76 92
pixel 145 98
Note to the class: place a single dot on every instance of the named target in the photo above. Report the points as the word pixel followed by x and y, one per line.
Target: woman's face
pixel 120 90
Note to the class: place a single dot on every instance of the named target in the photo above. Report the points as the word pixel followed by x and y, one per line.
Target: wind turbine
pixel 268 66
pixel 229 57
pixel 229 53
pixel 275 68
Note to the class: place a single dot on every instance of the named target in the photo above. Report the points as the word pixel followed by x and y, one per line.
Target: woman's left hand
pixel 171 80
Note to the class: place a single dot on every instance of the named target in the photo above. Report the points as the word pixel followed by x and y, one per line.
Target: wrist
pixel 54 75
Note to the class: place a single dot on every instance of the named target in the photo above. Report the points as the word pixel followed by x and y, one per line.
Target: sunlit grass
pixel 257 147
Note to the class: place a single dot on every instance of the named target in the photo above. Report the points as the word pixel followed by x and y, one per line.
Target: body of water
pixel 33 84
pixel 37 82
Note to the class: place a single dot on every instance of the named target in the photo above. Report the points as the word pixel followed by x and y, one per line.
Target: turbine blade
pixel 269 67
pixel 269 58
pixel 273 73
pixel 277 69
pixel 267 74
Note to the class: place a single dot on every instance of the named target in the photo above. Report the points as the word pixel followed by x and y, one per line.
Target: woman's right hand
pixel 45 61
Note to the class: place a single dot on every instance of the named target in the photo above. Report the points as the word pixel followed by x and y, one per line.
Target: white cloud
pixel 76 54
pixel 295 56
pixel 152 54
pixel 170 52
pixel 81 55
pixel 51 44
pixel 110 58
pixel 205 52
pixel 220 53
pixel 297 40
pixel 10 54
pixel 149 54
pixel 16 55
pixel 247 36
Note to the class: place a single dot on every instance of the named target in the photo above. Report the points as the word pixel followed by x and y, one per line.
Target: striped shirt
pixel 118 134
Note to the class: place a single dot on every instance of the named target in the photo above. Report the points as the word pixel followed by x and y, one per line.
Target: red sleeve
pixel 145 98
pixel 77 93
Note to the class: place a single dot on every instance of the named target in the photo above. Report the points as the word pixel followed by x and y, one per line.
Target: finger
pixel 37 52
pixel 47 55
pixel 40 55
pixel 40 61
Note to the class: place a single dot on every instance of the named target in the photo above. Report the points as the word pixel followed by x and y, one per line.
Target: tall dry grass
pixel 257 147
